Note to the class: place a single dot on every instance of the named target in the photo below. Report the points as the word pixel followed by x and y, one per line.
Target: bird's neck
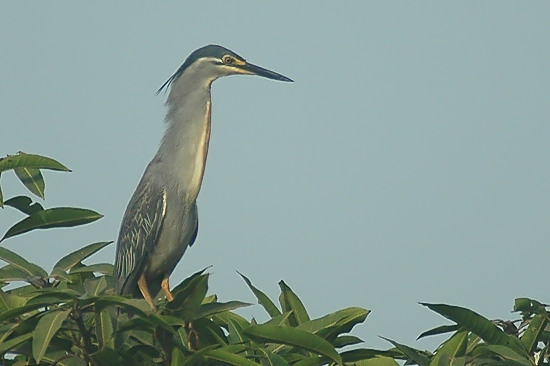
pixel 184 147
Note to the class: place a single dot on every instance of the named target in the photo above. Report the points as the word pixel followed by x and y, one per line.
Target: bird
pixel 161 219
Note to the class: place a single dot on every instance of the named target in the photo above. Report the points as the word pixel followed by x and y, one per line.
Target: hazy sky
pixel 408 162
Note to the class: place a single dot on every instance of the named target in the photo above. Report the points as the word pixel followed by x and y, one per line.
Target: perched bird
pixel 161 219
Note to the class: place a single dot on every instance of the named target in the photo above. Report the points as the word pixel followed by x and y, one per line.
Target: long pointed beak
pixel 260 71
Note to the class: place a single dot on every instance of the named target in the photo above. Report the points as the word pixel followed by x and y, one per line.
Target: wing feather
pixel 139 233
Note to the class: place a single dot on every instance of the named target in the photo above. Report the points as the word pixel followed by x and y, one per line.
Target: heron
pixel 161 220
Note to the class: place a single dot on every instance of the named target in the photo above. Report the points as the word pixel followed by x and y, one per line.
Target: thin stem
pixel 88 348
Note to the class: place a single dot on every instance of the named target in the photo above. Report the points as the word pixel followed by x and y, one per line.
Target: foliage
pixel 71 316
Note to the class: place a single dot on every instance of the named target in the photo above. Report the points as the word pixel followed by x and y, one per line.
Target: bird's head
pixel 211 62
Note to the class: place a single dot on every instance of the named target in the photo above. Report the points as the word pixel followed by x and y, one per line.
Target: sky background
pixel 407 162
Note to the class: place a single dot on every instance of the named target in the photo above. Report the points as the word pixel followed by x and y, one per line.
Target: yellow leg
pixel 166 288
pixel 142 284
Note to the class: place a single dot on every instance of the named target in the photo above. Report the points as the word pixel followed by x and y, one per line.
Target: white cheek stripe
pixel 198 172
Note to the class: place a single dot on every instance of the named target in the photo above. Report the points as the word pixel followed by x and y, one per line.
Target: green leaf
pixel 11 273
pixel 10 314
pixel 293 337
pixel 263 300
pixel 1 198
pixel 53 296
pixel 235 332
pixel 197 358
pixel 229 358
pixel 312 361
pixel 346 340
pixel 209 332
pixel 72 259
pixel 477 324
pixel 181 338
pixel 77 279
pixel 95 286
pixel 24 204
pixel 411 353
pixel 104 329
pixel 53 217
pixel 210 299
pixel 60 358
pixel 159 321
pixel 172 320
pixel 185 283
pixel 454 347
pixel 23 160
pixel 280 319
pixel 446 360
pixel 473 341
pixel 207 310
pixel 438 330
pixel 11 344
pixel 9 301
pixel 529 306
pixel 508 354
pixel 177 357
pixel 290 301
pixel 24 291
pixel 224 319
pixel 341 321
pixel 234 348
pixel 57 291
pixel 377 361
pixel 19 262
pixel 530 337
pixel 293 356
pixel 21 327
pixel 108 357
pixel 103 268
pixel 142 355
pixel 359 354
pixel 188 300
pixel 32 179
pixel 272 359
pixel 134 326
pixel 372 361
pixel 46 328
pixel 138 307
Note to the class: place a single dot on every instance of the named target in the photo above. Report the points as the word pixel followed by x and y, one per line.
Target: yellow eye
pixel 228 60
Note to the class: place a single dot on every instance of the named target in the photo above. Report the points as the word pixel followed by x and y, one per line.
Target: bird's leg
pixel 142 284
pixel 166 288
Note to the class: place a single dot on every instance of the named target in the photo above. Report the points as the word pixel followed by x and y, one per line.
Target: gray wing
pixel 139 232
pixel 195 233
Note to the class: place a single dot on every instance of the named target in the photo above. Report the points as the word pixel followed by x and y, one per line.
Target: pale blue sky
pixel 408 162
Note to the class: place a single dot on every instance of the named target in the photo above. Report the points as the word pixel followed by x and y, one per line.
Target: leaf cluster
pixel 476 340
pixel 71 315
